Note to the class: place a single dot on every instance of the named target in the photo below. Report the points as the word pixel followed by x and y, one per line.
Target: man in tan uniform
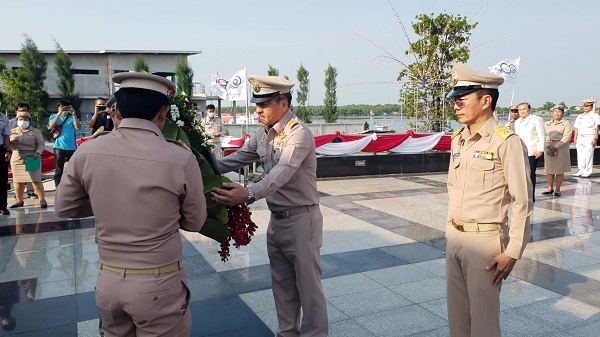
pixel 214 126
pixel 514 115
pixel 141 190
pixel 294 236
pixel 488 168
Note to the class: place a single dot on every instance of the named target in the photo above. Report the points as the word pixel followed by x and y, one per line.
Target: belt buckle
pixel 458 226
pixel 281 215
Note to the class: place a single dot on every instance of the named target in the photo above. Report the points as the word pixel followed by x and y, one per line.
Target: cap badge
pixel 454 78
pixel 256 87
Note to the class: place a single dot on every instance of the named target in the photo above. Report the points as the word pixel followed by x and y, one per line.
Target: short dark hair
pixel 23 105
pixel 492 92
pixel 210 106
pixel 287 96
pixel 63 102
pixel 140 103
pixel 525 103
pixel 101 98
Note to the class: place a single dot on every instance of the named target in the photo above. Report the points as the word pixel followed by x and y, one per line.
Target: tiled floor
pixel 383 269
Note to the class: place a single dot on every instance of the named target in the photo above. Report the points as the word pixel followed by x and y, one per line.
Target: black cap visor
pixel 463 90
pixel 263 98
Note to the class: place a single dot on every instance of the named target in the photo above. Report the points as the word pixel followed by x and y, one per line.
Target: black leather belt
pixel 288 213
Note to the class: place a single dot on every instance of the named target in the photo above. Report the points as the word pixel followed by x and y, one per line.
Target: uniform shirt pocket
pixel 480 174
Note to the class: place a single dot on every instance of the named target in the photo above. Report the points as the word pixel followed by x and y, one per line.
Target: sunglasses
pixel 514 110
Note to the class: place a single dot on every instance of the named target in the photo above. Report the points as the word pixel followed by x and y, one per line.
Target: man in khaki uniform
pixel 514 115
pixel 141 190
pixel 294 236
pixel 214 126
pixel 488 168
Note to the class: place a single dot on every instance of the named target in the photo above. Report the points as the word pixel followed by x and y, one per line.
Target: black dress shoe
pixel 557 194
pixel 548 192
pixel 21 204
pixel 44 205
pixel 5 211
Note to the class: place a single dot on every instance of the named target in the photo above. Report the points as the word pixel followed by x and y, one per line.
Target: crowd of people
pixel 492 169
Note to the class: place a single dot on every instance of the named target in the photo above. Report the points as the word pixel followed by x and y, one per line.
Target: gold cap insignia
pixel 454 78
pixel 255 87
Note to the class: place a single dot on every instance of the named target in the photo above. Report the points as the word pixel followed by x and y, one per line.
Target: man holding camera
pixel 100 117
pixel 64 144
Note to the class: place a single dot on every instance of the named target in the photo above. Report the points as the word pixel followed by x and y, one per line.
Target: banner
pixel 508 69
pixel 233 89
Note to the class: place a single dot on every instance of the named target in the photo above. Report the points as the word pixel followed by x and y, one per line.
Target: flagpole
pixel 247 113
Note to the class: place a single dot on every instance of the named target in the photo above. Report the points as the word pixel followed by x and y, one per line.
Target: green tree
pixel 443 41
pixel 302 94
pixel 272 71
pixel 66 81
pixel 26 84
pixel 330 113
pixel 184 76
pixel 140 65
pixel 547 106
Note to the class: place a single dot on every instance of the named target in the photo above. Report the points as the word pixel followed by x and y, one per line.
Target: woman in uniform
pixel 557 160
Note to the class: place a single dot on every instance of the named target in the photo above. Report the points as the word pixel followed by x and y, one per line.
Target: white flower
pixel 174 108
pixel 179 123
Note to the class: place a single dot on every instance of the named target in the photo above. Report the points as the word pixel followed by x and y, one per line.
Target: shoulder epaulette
pixel 457 132
pixel 99 134
pixel 504 132
pixel 178 142
pixel 292 123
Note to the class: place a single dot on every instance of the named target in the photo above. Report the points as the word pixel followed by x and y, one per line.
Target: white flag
pixel 508 69
pixel 233 89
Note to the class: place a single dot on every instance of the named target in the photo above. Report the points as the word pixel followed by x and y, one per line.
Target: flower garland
pixel 223 224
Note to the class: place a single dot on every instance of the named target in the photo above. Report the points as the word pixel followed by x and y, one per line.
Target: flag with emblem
pixel 508 69
pixel 233 89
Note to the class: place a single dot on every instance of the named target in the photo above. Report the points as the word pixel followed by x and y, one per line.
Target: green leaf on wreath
pixel 182 136
pixel 214 181
pixel 170 130
pixel 219 212
pixel 215 230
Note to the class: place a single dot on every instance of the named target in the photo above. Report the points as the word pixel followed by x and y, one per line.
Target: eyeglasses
pixel 514 110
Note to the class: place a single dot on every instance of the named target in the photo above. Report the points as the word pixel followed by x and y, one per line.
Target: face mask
pixel 23 124
pixel 211 115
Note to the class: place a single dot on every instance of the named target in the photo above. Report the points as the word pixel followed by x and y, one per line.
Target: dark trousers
pixel 60 156
pixel 533 161
pixel 3 178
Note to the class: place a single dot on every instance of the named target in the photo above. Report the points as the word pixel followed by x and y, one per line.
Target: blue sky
pixel 556 40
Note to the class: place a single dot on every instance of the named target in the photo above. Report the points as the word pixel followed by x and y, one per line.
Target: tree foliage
pixel 547 106
pixel 66 81
pixel 302 94
pixel 26 84
pixel 140 65
pixel 272 71
pixel 184 76
pixel 443 40
pixel 330 113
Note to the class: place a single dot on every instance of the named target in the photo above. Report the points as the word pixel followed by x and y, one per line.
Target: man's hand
pixel 504 265
pixel 230 194
pixel 552 148
pixel 538 154
pixel 36 155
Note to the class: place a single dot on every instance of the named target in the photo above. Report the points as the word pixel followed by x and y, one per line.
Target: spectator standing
pixel 531 130
pixel 514 115
pixel 26 141
pixel 214 126
pixel 101 117
pixel 557 160
pixel 33 124
pixel 64 145
pixel 586 138
pixel 488 171
pixel 5 153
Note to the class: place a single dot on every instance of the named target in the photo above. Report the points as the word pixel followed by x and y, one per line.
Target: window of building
pixel 85 72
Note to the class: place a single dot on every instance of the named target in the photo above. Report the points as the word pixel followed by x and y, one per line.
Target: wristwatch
pixel 250 199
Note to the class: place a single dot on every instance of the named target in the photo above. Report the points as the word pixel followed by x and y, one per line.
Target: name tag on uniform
pixel 483 155
pixel 263 143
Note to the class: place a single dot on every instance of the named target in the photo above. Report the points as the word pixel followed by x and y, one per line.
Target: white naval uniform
pixel 586 125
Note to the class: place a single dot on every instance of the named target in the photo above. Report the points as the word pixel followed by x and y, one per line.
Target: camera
pixel 101 107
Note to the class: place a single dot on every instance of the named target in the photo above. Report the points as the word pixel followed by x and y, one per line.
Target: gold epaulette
pixel 96 135
pixel 457 132
pixel 292 123
pixel 178 142
pixel 504 132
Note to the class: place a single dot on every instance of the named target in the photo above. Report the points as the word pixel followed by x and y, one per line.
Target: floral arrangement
pixel 223 224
